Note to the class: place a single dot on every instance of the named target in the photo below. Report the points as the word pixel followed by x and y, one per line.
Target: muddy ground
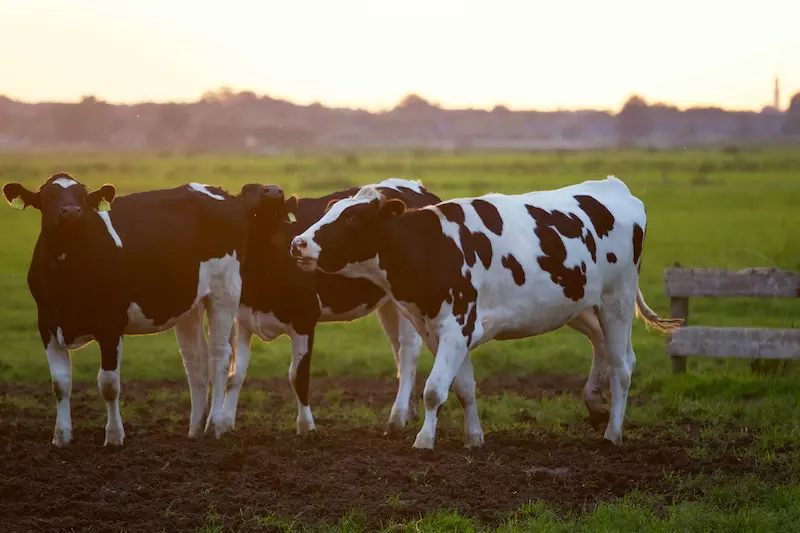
pixel 161 481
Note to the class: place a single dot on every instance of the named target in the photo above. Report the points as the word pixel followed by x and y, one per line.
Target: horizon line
pixel 377 109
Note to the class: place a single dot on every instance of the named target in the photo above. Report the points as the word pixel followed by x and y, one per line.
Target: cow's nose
pixel 71 211
pixel 298 245
pixel 272 192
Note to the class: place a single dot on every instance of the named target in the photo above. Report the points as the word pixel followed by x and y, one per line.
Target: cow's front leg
pixel 449 359
pixel 61 374
pixel 406 345
pixel 300 377
pixel 109 384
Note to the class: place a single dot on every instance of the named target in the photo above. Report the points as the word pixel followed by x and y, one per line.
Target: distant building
pixel 776 98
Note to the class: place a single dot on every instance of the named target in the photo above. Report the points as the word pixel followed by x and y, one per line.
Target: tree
pixel 91 120
pixel 634 121
pixel 791 125
pixel 415 102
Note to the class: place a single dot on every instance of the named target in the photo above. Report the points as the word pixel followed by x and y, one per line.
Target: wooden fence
pixel 680 284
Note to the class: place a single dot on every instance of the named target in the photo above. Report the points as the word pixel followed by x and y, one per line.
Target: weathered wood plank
pixel 679 308
pixel 767 282
pixel 748 343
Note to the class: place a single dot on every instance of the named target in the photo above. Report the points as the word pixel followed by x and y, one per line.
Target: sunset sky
pixel 369 53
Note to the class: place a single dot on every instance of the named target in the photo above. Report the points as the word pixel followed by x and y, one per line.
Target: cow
pixel 278 297
pixel 158 260
pixel 469 270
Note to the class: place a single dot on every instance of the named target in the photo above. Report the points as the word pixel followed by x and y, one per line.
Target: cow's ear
pixel 101 198
pixel 330 204
pixel 393 207
pixel 292 204
pixel 19 197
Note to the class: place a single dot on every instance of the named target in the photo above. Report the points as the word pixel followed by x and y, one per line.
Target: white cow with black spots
pixel 470 270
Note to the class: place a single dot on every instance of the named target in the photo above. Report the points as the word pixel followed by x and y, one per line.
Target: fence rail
pixel 751 343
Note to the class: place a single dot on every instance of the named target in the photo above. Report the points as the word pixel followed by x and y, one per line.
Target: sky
pixel 528 54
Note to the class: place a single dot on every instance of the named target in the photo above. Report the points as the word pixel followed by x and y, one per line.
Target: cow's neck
pixel 89 239
pixel 399 245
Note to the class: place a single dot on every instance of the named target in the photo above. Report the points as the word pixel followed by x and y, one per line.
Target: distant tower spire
pixel 777 94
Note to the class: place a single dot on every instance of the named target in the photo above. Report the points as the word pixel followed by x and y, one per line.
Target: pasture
pixel 715 449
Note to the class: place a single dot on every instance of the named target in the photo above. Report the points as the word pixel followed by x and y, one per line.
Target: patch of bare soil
pixel 160 480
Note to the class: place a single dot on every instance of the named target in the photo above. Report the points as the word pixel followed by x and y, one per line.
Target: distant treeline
pixel 229 121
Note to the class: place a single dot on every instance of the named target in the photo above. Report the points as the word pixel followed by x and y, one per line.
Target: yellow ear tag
pixel 103 205
pixel 18 203
pixel 292 218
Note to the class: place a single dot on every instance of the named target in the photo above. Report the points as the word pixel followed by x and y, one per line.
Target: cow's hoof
pixel 612 440
pixel 114 438
pixel 397 422
pixel 227 425
pixel 62 438
pixel 423 442
pixel 214 427
pixel 305 427
pixel 474 440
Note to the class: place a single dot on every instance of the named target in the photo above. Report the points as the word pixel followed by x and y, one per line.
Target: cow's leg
pixel 109 384
pixel 300 377
pixel 236 378
pixel 223 306
pixel 58 359
pixel 617 318
pixel 406 344
pixel 449 359
pixel 464 387
pixel 588 323
pixel 194 352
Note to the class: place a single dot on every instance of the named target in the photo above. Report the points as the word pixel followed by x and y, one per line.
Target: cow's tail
pixel 651 318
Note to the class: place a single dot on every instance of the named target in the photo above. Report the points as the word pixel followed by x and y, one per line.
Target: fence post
pixel 679 308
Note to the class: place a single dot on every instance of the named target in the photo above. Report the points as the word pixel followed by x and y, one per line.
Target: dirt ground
pixel 160 480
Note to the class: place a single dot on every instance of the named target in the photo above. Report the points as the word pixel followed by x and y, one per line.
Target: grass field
pixel 716 449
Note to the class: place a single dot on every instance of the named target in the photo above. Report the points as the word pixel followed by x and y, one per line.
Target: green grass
pixel 705 209
pixel 747 505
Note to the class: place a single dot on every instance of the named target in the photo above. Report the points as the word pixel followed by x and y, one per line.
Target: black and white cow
pixel 280 298
pixel 470 270
pixel 157 260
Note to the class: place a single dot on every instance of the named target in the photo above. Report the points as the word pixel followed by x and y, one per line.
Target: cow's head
pixel 271 214
pixel 347 233
pixel 63 201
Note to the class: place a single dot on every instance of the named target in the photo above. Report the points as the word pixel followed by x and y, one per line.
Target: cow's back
pixel 538 259
pixel 169 237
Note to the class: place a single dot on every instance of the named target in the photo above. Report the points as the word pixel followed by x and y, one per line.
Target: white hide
pixel 396 183
pixel 203 189
pixel 106 218
pixel 64 183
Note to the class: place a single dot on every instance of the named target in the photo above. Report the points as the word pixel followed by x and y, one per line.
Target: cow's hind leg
pixel 236 378
pixel 194 352
pixel 616 315
pixel 588 323
pixel 464 387
pixel 300 379
pixel 406 344
pixel 223 306
pixel 58 359
pixel 109 384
